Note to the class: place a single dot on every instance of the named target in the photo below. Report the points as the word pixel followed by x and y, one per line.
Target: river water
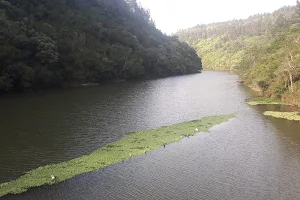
pixel 250 157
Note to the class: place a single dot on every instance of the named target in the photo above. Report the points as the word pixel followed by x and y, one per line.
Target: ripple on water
pixel 250 157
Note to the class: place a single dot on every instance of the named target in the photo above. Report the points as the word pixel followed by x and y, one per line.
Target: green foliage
pixel 294 116
pixel 263 49
pixel 87 41
pixel 5 83
pixel 135 144
pixel 263 85
pixel 298 8
pixel 265 101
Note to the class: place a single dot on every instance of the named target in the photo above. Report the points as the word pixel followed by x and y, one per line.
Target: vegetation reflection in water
pixel 135 144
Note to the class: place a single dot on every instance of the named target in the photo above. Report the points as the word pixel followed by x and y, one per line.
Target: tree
pixel 290 67
pixel 47 43
pixel 5 83
pixel 298 8
pixel 263 49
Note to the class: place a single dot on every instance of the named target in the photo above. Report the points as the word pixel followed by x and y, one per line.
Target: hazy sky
pixel 171 15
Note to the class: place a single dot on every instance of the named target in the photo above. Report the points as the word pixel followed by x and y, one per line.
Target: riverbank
pixel 287 98
pixel 134 144
pixel 293 116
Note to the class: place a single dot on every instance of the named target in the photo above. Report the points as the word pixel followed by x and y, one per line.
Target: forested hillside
pixel 46 43
pixel 264 49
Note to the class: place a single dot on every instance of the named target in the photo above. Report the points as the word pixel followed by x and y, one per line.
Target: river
pixel 250 157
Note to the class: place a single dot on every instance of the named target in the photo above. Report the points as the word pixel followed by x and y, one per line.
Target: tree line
pixel 263 49
pixel 255 25
pixel 47 43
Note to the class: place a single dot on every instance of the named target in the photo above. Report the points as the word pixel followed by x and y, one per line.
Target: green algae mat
pixel 295 116
pixel 134 144
pixel 265 101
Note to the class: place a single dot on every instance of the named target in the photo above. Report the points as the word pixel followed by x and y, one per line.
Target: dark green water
pixel 250 157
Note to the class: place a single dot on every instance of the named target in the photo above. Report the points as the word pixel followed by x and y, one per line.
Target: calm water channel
pixel 250 157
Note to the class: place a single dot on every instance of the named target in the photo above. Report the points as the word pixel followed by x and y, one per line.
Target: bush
pixel 5 84
pixel 263 85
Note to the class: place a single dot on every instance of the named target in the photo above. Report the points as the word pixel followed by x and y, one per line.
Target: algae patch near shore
pixel 134 144
pixel 265 101
pixel 284 115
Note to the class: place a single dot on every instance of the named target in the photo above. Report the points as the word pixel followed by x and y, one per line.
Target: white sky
pixel 171 15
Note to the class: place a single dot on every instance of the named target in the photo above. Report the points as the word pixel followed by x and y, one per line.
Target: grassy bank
pixel 135 144
pixel 265 101
pixel 284 115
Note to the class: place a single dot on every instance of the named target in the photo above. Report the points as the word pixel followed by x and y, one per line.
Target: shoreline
pixel 70 85
pixel 291 116
pixel 264 99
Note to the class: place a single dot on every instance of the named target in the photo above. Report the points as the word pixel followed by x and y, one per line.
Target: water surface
pixel 250 157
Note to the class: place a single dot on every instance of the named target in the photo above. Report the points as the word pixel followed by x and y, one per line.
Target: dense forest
pixel 263 49
pixel 47 43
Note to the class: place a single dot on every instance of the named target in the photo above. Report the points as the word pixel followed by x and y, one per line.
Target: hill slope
pixel 46 43
pixel 264 49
